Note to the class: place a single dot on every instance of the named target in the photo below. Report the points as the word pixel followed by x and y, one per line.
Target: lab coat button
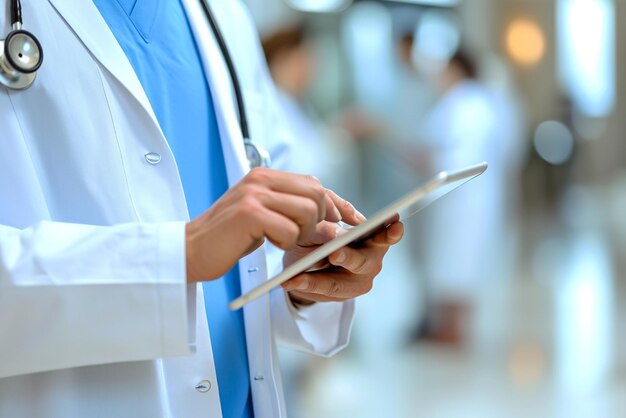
pixel 153 158
pixel 204 386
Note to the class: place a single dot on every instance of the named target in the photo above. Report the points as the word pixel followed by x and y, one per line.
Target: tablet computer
pixel 408 205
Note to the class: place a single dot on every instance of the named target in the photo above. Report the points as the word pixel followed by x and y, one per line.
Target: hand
pixel 349 273
pixel 284 208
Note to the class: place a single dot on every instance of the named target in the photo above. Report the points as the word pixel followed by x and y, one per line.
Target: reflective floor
pixel 545 340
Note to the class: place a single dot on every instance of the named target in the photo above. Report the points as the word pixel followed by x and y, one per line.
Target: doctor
pixel 130 127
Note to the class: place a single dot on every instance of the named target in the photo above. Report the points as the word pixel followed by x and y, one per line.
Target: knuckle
pixel 248 206
pixel 292 232
pixel 255 193
pixel 248 190
pixel 312 179
pixel 250 177
pixel 345 205
pixel 307 205
pixel 308 285
pixel 258 175
pixel 361 266
pixel 318 190
pixel 335 288
pixel 310 209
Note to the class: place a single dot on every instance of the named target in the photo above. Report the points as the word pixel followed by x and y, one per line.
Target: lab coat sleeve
pixel 322 328
pixel 74 295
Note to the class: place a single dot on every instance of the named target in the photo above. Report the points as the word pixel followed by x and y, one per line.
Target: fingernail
pixel 395 236
pixel 340 231
pixel 360 216
pixel 288 286
pixel 341 257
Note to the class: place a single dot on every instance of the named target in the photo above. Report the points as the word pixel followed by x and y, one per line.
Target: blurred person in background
pixel 413 96
pixel 322 148
pixel 465 232
pixel 290 57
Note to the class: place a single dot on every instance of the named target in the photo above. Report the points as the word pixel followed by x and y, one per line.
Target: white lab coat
pixel 466 230
pixel 96 319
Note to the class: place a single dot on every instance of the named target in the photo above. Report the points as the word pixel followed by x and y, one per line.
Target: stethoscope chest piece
pixel 20 58
pixel 21 54
pixel 257 156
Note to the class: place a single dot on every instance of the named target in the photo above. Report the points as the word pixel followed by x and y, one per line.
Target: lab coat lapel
pixel 87 23
pixel 221 89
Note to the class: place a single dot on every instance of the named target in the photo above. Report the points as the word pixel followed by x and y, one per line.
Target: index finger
pixel 297 184
pixel 349 214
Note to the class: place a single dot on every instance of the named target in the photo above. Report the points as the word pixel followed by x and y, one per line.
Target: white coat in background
pixel 466 229
pixel 96 318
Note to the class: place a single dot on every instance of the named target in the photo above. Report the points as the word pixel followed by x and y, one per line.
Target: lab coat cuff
pixel 324 328
pixel 176 303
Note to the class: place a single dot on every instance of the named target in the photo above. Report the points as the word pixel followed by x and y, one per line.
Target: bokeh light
pixel 319 6
pixel 554 142
pixel 525 42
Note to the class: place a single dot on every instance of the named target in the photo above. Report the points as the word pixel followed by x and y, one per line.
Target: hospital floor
pixel 545 341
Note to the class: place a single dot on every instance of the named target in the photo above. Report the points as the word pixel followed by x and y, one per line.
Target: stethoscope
pixel 21 56
pixel 20 53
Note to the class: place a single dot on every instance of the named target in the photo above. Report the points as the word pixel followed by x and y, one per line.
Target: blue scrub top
pixel 158 41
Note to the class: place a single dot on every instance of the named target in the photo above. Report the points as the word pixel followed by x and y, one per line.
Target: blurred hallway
pixel 544 335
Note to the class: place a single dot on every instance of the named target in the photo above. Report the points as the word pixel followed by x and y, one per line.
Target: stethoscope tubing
pixel 243 118
pixel 16 14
